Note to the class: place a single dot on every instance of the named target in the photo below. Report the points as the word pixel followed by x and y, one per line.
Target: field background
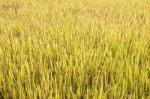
pixel 74 49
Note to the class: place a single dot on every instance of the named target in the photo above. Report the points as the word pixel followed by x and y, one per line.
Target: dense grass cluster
pixel 74 49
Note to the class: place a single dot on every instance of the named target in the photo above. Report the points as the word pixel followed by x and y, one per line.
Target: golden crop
pixel 74 49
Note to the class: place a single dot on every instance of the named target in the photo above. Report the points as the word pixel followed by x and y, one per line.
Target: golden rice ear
pixel 4 7
pixel 11 5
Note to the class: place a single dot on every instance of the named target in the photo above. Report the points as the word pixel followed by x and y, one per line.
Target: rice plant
pixel 74 49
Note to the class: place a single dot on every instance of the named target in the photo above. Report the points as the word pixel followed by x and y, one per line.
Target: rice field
pixel 74 49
